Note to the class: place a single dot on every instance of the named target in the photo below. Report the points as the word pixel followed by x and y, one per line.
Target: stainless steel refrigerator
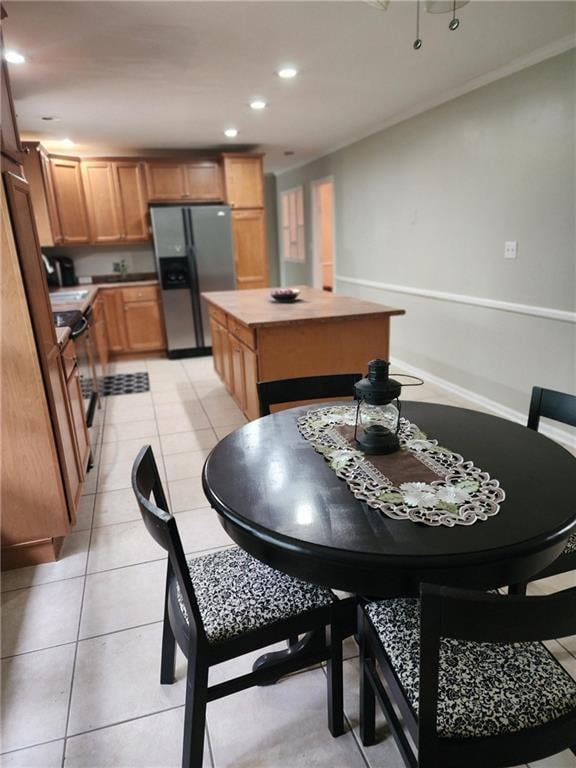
pixel 194 253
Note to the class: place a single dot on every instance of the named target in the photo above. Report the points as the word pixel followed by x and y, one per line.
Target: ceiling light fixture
pixel 231 133
pixel 258 104
pixel 287 73
pixel 14 57
pixel 66 143
pixel 432 6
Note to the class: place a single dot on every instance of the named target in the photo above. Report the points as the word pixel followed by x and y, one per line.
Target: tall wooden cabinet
pixel 66 178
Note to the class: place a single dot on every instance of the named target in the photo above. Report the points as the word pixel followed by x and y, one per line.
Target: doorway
pixel 323 234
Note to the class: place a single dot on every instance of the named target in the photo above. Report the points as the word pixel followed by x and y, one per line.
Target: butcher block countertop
pixel 92 290
pixel 255 308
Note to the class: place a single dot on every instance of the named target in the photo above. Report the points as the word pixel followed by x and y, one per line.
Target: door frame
pixel 316 241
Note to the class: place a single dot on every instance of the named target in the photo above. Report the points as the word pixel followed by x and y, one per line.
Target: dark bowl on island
pixel 285 295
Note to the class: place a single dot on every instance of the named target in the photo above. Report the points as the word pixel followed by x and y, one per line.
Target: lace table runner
pixel 423 482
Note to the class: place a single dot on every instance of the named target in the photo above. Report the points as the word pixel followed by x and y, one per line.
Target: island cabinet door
pixel 238 377
pixel 217 333
pixel 102 201
pixel 70 202
pixel 244 378
pixel 251 260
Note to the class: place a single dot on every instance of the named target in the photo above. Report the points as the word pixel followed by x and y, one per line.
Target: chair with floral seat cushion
pixel 470 676
pixel 560 407
pixel 225 604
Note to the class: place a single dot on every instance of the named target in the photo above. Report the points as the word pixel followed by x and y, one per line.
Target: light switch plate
pixel 510 249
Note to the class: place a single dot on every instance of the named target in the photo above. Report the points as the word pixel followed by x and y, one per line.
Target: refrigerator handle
pixel 194 280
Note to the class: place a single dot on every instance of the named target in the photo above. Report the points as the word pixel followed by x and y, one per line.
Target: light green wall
pixel 429 203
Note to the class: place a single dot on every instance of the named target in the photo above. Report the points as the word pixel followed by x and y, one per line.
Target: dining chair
pixel 472 681
pixel 561 407
pixel 305 388
pixel 225 604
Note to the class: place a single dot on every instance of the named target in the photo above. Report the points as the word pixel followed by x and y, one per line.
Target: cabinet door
pixel 249 232
pixel 79 421
pixel 9 130
pixel 250 365
pixel 114 318
pixel 100 334
pixel 227 372
pixel 244 181
pixel 133 199
pixel 203 181
pixel 102 204
pixel 69 196
pixel 144 327
pixel 238 378
pixel 216 331
pixel 166 181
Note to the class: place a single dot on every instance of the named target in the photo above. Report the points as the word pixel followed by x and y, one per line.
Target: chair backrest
pixel 161 525
pixel 487 617
pixel 305 388
pixel 550 404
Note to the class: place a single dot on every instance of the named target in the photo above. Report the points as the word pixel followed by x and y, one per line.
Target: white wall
pixel 429 203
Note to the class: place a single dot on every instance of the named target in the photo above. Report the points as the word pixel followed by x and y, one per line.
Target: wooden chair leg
pixel 195 712
pixel 517 589
pixel 335 692
pixel 367 697
pixel 168 659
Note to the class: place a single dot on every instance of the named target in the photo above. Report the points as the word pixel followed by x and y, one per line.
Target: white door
pixel 323 233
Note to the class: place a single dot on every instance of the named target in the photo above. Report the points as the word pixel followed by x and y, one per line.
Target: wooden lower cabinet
pixel 76 408
pixel 99 333
pixel 133 318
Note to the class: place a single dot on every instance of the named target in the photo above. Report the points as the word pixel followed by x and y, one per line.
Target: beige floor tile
pixel 128 366
pixel 85 512
pixel 168 384
pixel 118 475
pixel 40 617
pixel 130 431
pixel 35 690
pixel 182 422
pixel 385 751
pixel 72 562
pixel 222 432
pixel 44 756
pixel 186 494
pixel 200 529
pixel 91 481
pixel 184 409
pixel 123 598
pixel 123 414
pixel 149 742
pixel 182 442
pixel 182 465
pixel 127 450
pixel 565 759
pixel 227 418
pixel 210 390
pixel 117 677
pixel 277 726
pixel 132 400
pixel 179 394
pixel 115 507
pixel 115 546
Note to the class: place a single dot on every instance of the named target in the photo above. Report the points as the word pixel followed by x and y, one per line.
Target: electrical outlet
pixel 510 249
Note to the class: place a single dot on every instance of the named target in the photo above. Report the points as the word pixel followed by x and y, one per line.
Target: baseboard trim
pixel 547 313
pixel 555 433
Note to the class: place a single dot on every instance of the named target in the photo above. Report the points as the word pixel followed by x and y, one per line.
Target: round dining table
pixel 281 501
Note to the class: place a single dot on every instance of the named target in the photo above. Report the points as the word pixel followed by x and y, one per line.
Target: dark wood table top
pixel 280 500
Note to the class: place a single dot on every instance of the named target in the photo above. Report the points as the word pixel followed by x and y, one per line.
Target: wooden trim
pixel 31 553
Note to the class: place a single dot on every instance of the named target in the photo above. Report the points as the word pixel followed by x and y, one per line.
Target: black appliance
pixel 52 271
pixel 67 271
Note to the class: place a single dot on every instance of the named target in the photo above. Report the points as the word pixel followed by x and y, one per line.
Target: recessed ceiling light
pixel 258 104
pixel 287 72
pixel 14 57
pixel 231 133
pixel 66 143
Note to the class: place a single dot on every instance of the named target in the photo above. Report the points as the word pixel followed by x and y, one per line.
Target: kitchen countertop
pixel 92 289
pixel 255 307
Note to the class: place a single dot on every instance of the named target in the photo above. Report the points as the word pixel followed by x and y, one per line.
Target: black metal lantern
pixel 378 412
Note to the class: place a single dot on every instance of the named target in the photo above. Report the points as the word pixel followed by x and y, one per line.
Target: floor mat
pixel 118 384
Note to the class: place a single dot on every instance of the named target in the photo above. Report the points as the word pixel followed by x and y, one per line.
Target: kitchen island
pixel 255 338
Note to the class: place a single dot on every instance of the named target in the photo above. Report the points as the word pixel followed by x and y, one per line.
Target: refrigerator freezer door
pixel 168 230
pixel 212 234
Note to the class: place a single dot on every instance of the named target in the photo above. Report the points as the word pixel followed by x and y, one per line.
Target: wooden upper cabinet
pixel 69 195
pixel 133 199
pixel 102 201
pixel 244 181
pixel 251 260
pixel 9 130
pixel 181 182
pixel 204 181
pixel 166 181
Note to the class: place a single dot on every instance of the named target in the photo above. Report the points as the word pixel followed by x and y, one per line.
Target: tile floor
pixel 81 637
